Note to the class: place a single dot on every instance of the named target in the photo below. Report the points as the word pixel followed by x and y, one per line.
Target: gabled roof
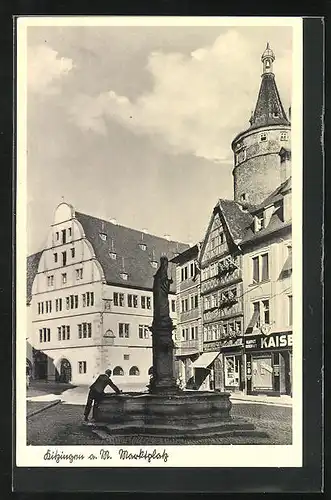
pixel 189 254
pixel 31 271
pixel 236 217
pixel 125 241
pixel 269 108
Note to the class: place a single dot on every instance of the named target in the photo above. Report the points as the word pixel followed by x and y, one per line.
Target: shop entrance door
pixel 262 373
pixel 232 371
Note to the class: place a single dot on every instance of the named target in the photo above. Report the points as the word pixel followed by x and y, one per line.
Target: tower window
pixel 283 136
pixel 243 197
pixel 263 136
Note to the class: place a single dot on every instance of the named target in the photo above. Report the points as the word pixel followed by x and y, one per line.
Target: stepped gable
pixel 130 258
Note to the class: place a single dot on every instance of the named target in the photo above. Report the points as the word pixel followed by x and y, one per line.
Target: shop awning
pixel 205 360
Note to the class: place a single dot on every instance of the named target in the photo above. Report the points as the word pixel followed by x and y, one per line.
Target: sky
pixel 136 123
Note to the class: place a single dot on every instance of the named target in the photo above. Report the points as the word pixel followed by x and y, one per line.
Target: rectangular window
pixel 69 231
pixel 79 331
pixel 59 336
pixel 263 137
pixel 72 253
pixel 126 357
pixel 148 302
pixel 192 332
pixel 121 299
pixel 141 330
pixel 38 307
pixel 135 301
pixel 89 299
pixel 129 300
pixel 265 267
pixel 143 302
pixel 68 332
pixel 67 302
pixel 76 301
pixel 84 299
pixel 64 258
pixel 82 368
pixel 64 236
pixel 123 330
pixel 64 278
pixel 115 298
pixel 79 273
pixel 84 325
pixel 89 330
pixel 173 306
pixel 50 280
pixel 290 310
pixel 192 269
pixel 265 312
pixel 256 315
pixel 72 301
pixel 196 301
pixel 191 302
pixel 57 235
pixel 40 335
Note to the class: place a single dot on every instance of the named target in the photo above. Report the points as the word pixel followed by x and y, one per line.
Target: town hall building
pixel 90 303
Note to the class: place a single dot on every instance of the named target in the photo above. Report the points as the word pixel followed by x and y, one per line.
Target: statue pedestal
pixel 163 380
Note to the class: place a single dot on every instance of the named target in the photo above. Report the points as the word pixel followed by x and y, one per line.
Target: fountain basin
pixel 191 413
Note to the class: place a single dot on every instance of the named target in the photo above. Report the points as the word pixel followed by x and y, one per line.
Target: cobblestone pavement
pixel 62 425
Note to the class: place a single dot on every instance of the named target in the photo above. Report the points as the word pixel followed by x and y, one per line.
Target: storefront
pixel 226 370
pixel 268 363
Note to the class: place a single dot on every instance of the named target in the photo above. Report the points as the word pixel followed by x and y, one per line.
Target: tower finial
pixel 267 59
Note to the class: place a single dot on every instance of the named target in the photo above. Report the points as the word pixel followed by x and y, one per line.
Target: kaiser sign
pixel 272 341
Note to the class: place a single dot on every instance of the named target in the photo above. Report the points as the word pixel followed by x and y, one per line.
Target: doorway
pixel 40 366
pixel 262 373
pixel 65 374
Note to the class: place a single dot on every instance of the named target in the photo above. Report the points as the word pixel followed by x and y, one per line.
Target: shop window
pixel 232 371
pixel 118 371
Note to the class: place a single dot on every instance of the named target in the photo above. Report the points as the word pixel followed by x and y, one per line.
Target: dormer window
pixel 103 236
pixel 283 136
pixel 275 114
pixel 263 137
pixel 112 255
pixel 124 276
pixel 142 246
pixel 259 222
pixel 154 263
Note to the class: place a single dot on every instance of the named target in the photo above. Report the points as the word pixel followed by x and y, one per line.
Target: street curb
pixel 269 403
pixel 53 403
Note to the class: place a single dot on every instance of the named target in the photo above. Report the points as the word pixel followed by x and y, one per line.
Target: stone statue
pixel 161 287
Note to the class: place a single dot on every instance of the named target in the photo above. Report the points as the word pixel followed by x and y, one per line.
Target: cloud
pixel 197 103
pixel 45 69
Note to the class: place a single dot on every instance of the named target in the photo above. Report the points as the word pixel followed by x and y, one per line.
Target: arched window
pixel 134 370
pixel 118 371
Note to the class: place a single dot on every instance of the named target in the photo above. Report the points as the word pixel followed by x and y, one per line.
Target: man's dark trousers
pixel 94 397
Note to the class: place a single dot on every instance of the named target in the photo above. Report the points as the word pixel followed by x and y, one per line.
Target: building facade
pixel 189 336
pixel 91 300
pixel 245 261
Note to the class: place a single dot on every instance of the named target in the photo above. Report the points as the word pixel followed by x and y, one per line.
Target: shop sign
pixel 273 341
pixel 219 344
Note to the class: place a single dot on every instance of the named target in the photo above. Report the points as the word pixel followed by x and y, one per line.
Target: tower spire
pixel 267 59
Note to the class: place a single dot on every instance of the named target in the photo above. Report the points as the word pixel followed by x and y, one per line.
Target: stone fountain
pixel 166 409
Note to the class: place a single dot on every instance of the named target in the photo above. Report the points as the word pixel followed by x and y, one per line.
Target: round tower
pixel 257 167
